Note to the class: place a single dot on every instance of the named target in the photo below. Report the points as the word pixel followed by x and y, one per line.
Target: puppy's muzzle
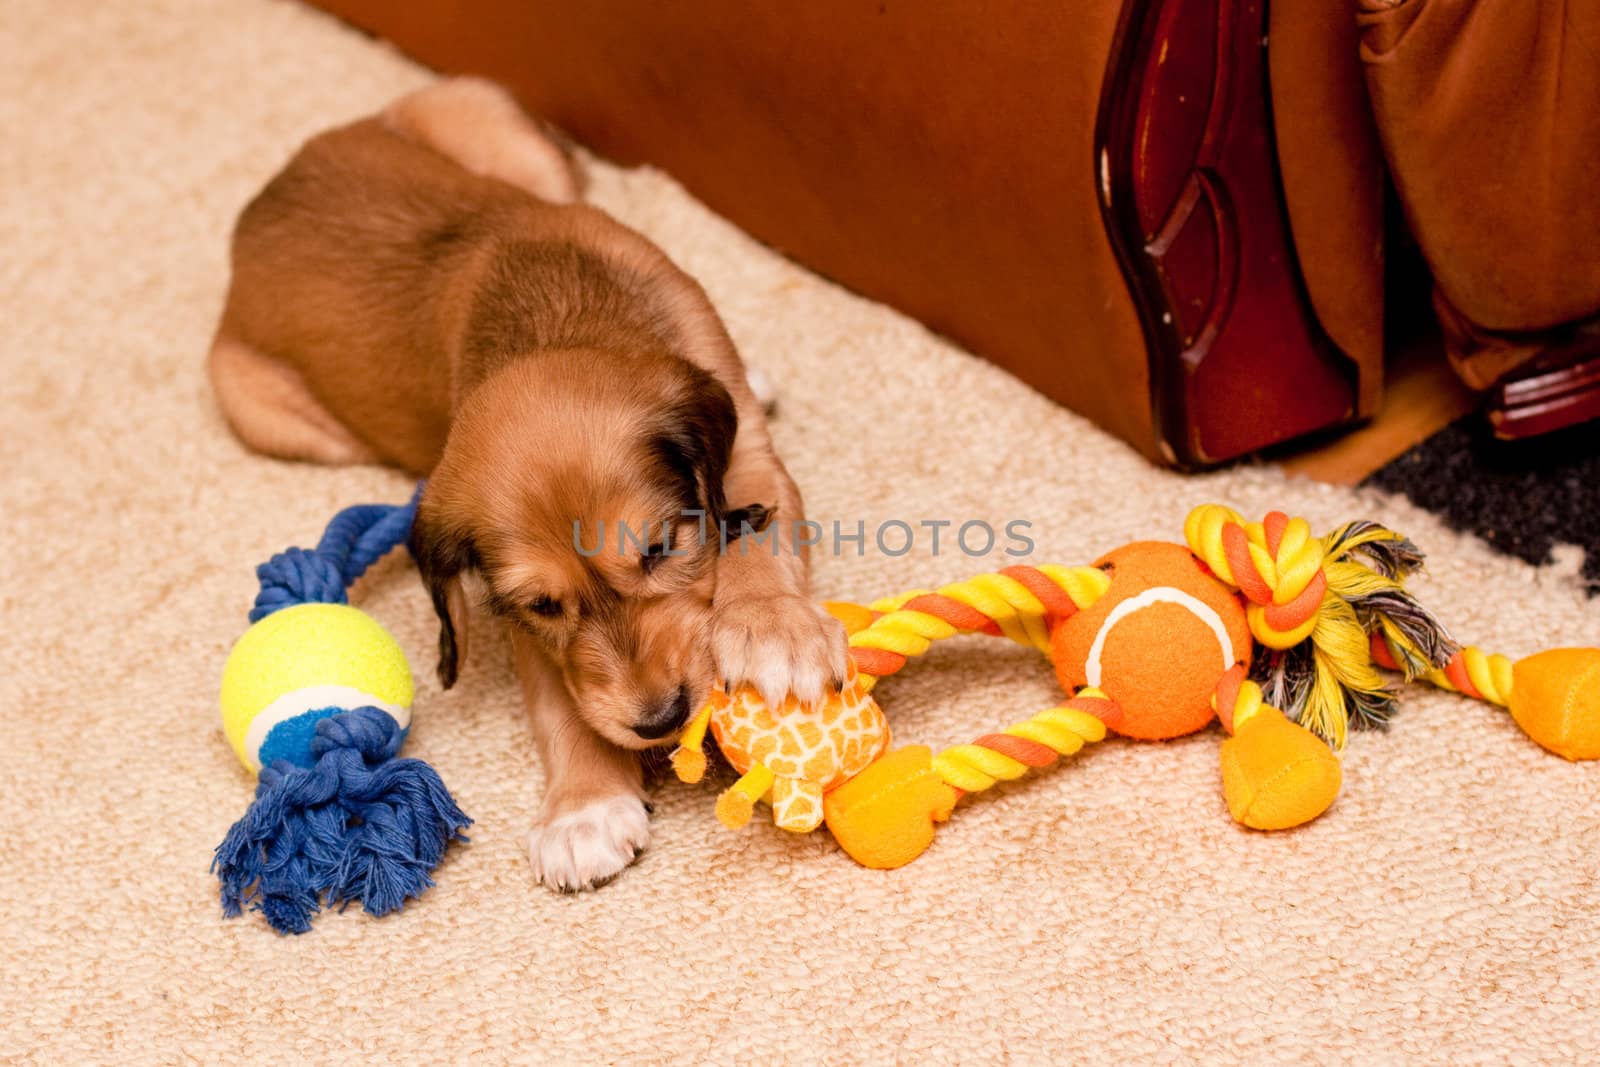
pixel 665 717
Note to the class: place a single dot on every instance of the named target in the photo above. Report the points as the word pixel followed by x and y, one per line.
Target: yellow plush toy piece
pixel 1277 774
pixel 885 816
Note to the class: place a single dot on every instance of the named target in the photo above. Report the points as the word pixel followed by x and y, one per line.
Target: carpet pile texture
pixel 1446 908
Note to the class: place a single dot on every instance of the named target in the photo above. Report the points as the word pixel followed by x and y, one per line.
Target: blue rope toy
pixel 316 698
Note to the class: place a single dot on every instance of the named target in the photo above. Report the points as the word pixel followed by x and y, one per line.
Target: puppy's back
pixel 351 267
pixel 391 265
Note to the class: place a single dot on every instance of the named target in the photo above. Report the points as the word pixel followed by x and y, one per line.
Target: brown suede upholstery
pixel 1490 117
pixel 1332 174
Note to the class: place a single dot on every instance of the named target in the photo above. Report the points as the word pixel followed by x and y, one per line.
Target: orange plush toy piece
pixel 1555 698
pixel 1278 634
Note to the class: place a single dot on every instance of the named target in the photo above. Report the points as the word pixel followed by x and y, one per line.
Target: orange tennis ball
pixel 1157 642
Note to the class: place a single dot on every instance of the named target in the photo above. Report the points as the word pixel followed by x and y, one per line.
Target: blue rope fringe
pixel 358 826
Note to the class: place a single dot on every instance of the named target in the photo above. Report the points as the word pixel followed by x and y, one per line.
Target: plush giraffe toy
pixel 1275 632
pixel 792 757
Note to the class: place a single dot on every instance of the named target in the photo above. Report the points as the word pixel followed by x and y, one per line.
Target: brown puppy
pixel 420 289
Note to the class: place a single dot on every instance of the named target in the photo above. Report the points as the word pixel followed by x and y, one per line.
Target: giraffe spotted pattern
pixel 808 750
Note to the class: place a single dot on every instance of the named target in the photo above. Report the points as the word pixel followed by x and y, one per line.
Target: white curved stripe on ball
pixel 1161 594
pixel 303 700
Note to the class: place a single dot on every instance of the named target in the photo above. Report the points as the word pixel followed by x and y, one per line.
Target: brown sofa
pixel 1131 204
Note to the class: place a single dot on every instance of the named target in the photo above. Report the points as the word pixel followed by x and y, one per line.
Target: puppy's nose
pixel 665 717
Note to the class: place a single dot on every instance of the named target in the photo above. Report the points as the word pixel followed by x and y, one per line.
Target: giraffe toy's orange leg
pixel 735 806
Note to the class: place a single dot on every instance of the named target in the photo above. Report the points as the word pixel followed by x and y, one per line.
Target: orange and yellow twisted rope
pixel 1036 742
pixel 1471 672
pixel 1020 603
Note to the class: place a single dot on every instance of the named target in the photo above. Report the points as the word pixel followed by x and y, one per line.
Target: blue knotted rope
pixel 359 824
pixel 357 538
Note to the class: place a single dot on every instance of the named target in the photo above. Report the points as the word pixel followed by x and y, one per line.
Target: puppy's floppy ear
pixel 695 441
pixel 443 552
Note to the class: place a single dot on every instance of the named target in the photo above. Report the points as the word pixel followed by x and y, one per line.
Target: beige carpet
pixel 1447 908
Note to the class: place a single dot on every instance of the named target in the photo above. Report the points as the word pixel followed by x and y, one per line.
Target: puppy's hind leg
pixel 478 124
pixel 272 410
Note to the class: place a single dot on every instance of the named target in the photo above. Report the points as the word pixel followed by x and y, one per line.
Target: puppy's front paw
pixel 782 645
pixel 587 846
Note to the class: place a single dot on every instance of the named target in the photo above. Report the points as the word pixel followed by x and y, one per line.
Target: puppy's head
pixel 585 491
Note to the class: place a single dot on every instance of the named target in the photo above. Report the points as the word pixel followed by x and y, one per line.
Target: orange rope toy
pixel 1275 632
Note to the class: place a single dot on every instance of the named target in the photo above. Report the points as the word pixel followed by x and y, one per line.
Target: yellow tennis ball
pixel 300 665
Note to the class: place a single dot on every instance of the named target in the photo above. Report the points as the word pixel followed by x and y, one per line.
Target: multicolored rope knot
pixel 1311 604
pixel 1276 564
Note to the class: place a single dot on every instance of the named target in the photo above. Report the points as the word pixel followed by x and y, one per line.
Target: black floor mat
pixel 1523 497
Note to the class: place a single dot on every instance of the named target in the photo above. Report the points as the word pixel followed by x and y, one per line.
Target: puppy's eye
pixel 545 607
pixel 653 556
